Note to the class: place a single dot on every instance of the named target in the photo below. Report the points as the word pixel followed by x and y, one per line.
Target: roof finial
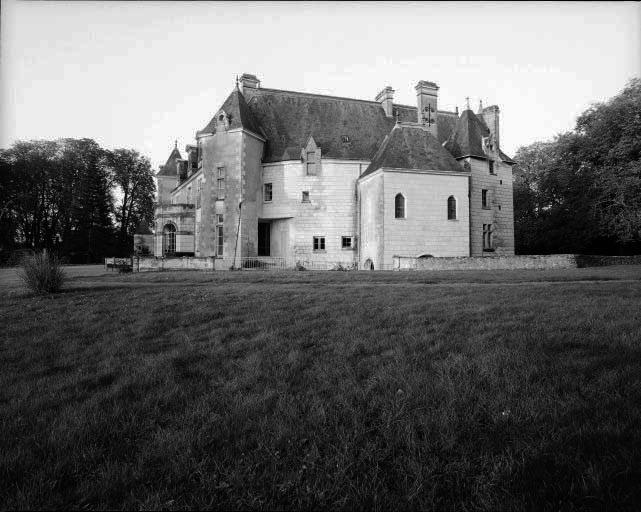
pixel 467 102
pixel 176 144
pixel 236 81
pixel 480 106
pixel 457 110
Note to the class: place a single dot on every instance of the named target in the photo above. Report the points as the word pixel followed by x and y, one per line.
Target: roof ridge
pixel 298 93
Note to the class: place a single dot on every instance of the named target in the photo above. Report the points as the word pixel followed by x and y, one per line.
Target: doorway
pixel 264 241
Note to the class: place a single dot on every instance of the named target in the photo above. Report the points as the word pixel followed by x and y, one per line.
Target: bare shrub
pixel 42 273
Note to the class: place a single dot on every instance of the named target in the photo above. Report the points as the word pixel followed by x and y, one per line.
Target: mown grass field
pixel 512 390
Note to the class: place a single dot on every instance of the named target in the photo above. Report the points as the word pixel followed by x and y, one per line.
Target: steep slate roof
pixel 467 138
pixel 239 114
pixel 412 147
pixel 169 169
pixel 287 119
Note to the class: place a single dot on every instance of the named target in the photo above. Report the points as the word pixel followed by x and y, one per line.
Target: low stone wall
pixel 185 263
pixel 487 263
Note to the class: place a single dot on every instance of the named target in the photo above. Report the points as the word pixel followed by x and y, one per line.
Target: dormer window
pixel 222 121
pixel 311 158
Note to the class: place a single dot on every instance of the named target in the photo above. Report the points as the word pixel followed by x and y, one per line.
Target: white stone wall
pixel 372 208
pixel 499 186
pixel 425 228
pixel 330 212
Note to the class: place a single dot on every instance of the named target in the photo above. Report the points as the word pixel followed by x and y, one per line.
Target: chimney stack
pixel 248 81
pixel 385 98
pixel 491 117
pixel 427 103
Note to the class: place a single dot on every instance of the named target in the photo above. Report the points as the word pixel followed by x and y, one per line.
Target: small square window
pixel 267 195
pixel 305 197
pixel 346 242
pixel 319 243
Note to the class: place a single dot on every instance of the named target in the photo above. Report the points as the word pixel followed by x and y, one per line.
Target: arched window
pixel 169 239
pixel 399 206
pixel 451 208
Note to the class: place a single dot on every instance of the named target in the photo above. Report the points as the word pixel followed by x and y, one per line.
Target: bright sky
pixel 141 74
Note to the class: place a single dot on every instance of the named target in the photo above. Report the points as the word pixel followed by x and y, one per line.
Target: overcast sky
pixel 141 74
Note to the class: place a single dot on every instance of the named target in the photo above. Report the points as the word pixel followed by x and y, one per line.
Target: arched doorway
pixel 169 239
pixel 368 265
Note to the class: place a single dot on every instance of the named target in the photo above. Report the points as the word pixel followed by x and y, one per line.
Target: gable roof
pixel 287 119
pixel 467 137
pixel 169 169
pixel 239 114
pixel 412 147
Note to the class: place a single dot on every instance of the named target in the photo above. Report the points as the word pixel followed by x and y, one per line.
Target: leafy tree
pixel 59 195
pixel 132 174
pixel 581 192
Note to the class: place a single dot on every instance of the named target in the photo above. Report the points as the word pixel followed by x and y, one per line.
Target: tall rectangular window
pixel 319 243
pixel 267 192
pixel 199 191
pixel 305 197
pixel 491 165
pixel 311 163
pixel 219 235
pixel 484 199
pixel 221 183
pixel 487 237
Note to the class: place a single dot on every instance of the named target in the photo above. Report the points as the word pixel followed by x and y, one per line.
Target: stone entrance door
pixel 264 241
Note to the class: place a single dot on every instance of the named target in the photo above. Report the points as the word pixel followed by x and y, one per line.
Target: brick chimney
pixel 385 98
pixel 248 81
pixel 491 117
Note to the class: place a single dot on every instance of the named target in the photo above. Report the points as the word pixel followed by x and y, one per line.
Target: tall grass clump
pixel 42 273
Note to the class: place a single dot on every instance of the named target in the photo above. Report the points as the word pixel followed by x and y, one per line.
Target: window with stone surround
pixel 305 197
pixel 219 235
pixel 169 239
pixel 490 164
pixel 451 208
pixel 267 192
pixel 319 243
pixel 488 237
pixel 346 242
pixel 485 200
pixel 399 206
pixel 311 163
pixel 220 194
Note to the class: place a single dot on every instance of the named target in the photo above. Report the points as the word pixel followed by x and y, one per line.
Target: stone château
pixel 308 177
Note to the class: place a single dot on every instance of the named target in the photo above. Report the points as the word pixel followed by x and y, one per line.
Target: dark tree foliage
pixel 59 195
pixel 581 192
pixel 132 175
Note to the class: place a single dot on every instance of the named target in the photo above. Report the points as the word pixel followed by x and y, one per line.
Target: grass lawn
pixel 507 390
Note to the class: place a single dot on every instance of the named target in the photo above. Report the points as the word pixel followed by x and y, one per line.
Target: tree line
pixel 581 192
pixel 74 198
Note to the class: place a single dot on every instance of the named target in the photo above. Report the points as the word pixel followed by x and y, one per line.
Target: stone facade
pixel 313 178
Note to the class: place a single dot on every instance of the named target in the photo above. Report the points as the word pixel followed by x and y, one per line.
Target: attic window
pixel 221 117
pixel 311 163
